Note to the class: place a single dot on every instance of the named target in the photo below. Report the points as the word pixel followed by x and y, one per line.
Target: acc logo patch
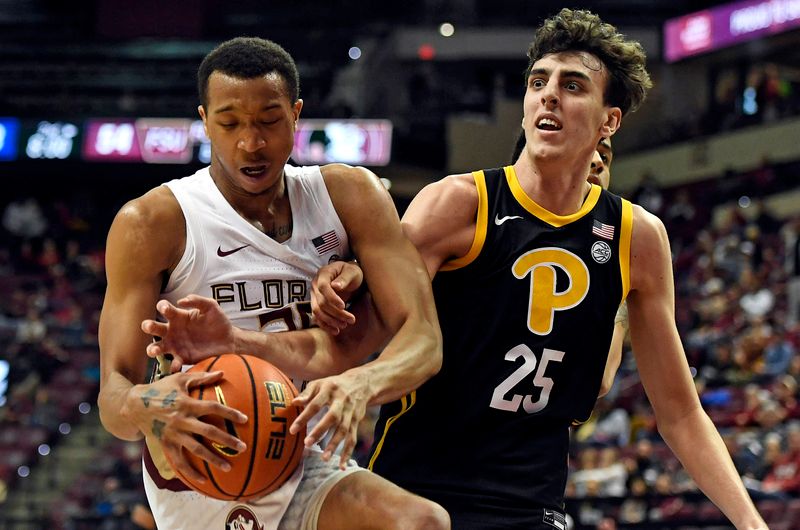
pixel 601 252
pixel 242 518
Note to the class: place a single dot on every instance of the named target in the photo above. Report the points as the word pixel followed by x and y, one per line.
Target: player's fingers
pixel 349 279
pixel 312 402
pixel 349 446
pixel 216 435
pixel 195 301
pixel 169 311
pixel 181 465
pixel 338 314
pixel 329 296
pixel 341 432
pixel 177 363
pixel 152 327
pixel 331 325
pixel 154 349
pixel 330 420
pixel 197 448
pixel 194 379
pixel 200 408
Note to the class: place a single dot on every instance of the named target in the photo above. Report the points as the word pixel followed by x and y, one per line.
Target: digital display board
pixel 183 141
pixel 9 134
pixel 164 141
pixel 111 141
pixel 363 142
pixel 727 25
pixel 52 140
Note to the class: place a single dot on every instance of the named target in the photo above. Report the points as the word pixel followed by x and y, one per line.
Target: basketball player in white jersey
pixel 251 232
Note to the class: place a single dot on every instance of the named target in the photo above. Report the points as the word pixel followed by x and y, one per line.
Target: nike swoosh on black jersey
pixel 222 253
pixel 500 220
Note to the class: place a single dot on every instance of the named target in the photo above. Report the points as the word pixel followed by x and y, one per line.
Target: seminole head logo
pixel 242 518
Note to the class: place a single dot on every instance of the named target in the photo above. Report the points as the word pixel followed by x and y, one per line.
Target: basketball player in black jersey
pixel 529 265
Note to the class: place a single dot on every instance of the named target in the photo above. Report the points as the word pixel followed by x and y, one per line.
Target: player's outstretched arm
pixel 400 291
pixel 145 239
pixel 665 374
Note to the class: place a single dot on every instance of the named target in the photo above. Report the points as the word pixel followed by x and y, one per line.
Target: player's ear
pixel 612 122
pixel 202 112
pixel 296 108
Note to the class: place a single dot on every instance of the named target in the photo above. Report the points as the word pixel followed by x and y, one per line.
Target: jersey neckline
pixel 543 213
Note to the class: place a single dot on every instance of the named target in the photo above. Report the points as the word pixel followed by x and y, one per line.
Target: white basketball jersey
pixel 252 276
pixel 260 284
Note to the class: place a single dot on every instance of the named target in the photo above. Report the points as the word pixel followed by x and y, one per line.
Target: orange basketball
pixel 262 392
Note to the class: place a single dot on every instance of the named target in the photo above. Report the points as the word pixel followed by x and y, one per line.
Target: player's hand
pixel 165 411
pixel 331 288
pixel 346 397
pixel 196 329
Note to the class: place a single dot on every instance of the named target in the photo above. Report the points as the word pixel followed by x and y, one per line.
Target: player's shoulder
pixel 455 194
pixel 156 209
pixel 344 174
pixel 648 228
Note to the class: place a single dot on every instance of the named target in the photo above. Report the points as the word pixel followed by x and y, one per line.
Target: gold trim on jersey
pixel 542 213
pixel 481 222
pixel 406 403
pixel 625 231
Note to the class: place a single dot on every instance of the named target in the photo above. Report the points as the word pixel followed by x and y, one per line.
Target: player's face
pixel 565 112
pixel 600 171
pixel 251 124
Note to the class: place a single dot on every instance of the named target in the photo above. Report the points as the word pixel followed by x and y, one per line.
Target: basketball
pixel 262 392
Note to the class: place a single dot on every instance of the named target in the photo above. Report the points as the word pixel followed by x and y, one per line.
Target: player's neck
pixel 552 184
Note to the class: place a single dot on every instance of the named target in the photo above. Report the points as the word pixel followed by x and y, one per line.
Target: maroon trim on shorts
pixel 161 483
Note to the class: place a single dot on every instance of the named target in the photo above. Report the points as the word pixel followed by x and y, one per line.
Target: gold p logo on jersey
pixel 545 300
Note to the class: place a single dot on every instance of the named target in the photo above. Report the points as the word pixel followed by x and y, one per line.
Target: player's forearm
pixel 112 403
pixel 306 354
pixel 697 444
pixel 412 357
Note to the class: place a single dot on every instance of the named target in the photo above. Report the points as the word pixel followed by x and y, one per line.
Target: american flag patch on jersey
pixel 326 242
pixel 602 230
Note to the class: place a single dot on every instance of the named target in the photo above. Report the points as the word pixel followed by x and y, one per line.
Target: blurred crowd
pixel 737 272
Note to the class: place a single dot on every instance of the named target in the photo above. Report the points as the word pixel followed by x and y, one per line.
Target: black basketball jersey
pixel 527 317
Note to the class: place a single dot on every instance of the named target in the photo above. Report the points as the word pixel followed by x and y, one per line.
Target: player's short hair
pixel 248 58
pixel 581 30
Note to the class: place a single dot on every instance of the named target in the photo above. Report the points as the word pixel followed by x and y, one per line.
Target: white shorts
pixel 293 506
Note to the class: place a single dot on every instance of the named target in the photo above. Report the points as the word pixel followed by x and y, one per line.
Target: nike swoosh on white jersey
pixel 500 220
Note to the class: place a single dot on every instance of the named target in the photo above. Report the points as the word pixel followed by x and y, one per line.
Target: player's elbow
pixel 605 387
pixel 433 346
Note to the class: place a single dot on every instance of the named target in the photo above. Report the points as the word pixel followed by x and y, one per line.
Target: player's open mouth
pixel 593 180
pixel 548 124
pixel 253 171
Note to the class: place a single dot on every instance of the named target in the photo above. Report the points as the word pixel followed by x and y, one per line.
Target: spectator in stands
pixel 648 194
pixel 23 219
pixel 778 353
pixel 791 238
pixel 634 509
pixel 785 473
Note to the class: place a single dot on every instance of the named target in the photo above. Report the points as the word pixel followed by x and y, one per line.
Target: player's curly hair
pixel 581 30
pixel 247 58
